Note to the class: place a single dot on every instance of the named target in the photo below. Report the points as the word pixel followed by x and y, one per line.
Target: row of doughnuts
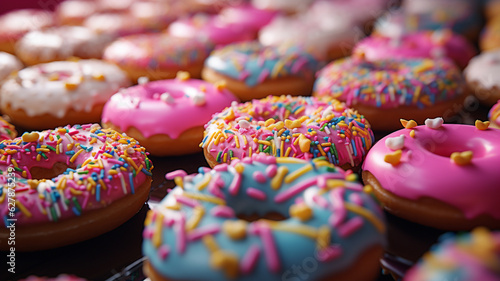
pixel 333 224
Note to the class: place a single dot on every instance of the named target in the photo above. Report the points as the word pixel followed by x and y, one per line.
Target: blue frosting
pixel 294 250
pixel 253 63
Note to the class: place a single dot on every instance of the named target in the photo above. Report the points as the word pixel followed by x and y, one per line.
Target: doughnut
pixel 7 130
pixel 74 12
pixel 331 229
pixel 8 65
pixel 300 127
pixel 491 9
pixel 439 175
pixel 462 16
pixel 328 38
pixel 494 115
pixel 61 43
pixel 61 277
pixel 83 182
pixel 210 28
pixel 166 116
pixel 14 24
pixel 387 90
pixel 287 6
pixel 461 257
pixel 419 44
pixel 59 93
pixel 247 16
pixel 115 24
pixel 253 71
pixel 481 79
pixel 158 56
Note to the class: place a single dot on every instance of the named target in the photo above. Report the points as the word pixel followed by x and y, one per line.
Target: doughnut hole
pixel 479 147
pixel 40 173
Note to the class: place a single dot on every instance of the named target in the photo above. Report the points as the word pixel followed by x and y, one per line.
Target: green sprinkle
pixel 77 205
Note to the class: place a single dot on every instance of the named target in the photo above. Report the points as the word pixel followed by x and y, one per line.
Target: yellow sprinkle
pixel 304 143
pixel 179 182
pixel 158 229
pixel 393 158
pixel 71 86
pixel 204 197
pixel 210 243
pixel 301 211
pixel 73 158
pixel 278 178
pixel 480 125
pixel 462 158
pixel 269 122
pixel 299 229
pixel 379 225
pixel 324 237
pixel 288 150
pixel 412 133
pixel 175 207
pixel 235 230
pixel 220 85
pixel 193 222
pixel 225 261
pixel 297 173
pixel 30 137
pixel 75 192
pixel 99 77
pixel 203 183
pixel 408 124
pixel 183 75
pixel 23 209
pixel 239 168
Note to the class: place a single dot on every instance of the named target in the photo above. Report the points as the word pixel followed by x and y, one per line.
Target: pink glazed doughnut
pixel 420 44
pixel 444 176
pixel 166 116
pixel 247 16
pixel 210 28
pixel 494 115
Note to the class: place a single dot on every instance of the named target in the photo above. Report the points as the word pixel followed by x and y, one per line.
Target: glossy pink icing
pixel 93 152
pixel 472 188
pixel 247 16
pixel 210 28
pixel 421 44
pixel 167 107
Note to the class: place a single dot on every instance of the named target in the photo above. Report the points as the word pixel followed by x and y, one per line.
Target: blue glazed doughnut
pixel 253 71
pixel 334 227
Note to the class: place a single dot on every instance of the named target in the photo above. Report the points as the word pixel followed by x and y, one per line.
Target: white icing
pixel 395 143
pixel 434 123
pixel 32 91
pixel 484 69
pixel 62 43
pixel 8 64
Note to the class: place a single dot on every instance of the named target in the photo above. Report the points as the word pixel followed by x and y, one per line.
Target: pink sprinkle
pixel 222 211
pixel 330 253
pixel 114 161
pixel 350 226
pixel 221 168
pixel 181 234
pixel 249 260
pixel 163 251
pixel 263 76
pixel 299 63
pixel 259 177
pixel 270 251
pixel 174 174
pixel 356 199
pixel 186 201
pixel 205 169
pixel 322 202
pixel 294 190
pixel 339 211
pixel 147 233
pixel 234 187
pixel 200 232
pixel 247 160
pixel 256 193
pixel 271 170
pixel 321 182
